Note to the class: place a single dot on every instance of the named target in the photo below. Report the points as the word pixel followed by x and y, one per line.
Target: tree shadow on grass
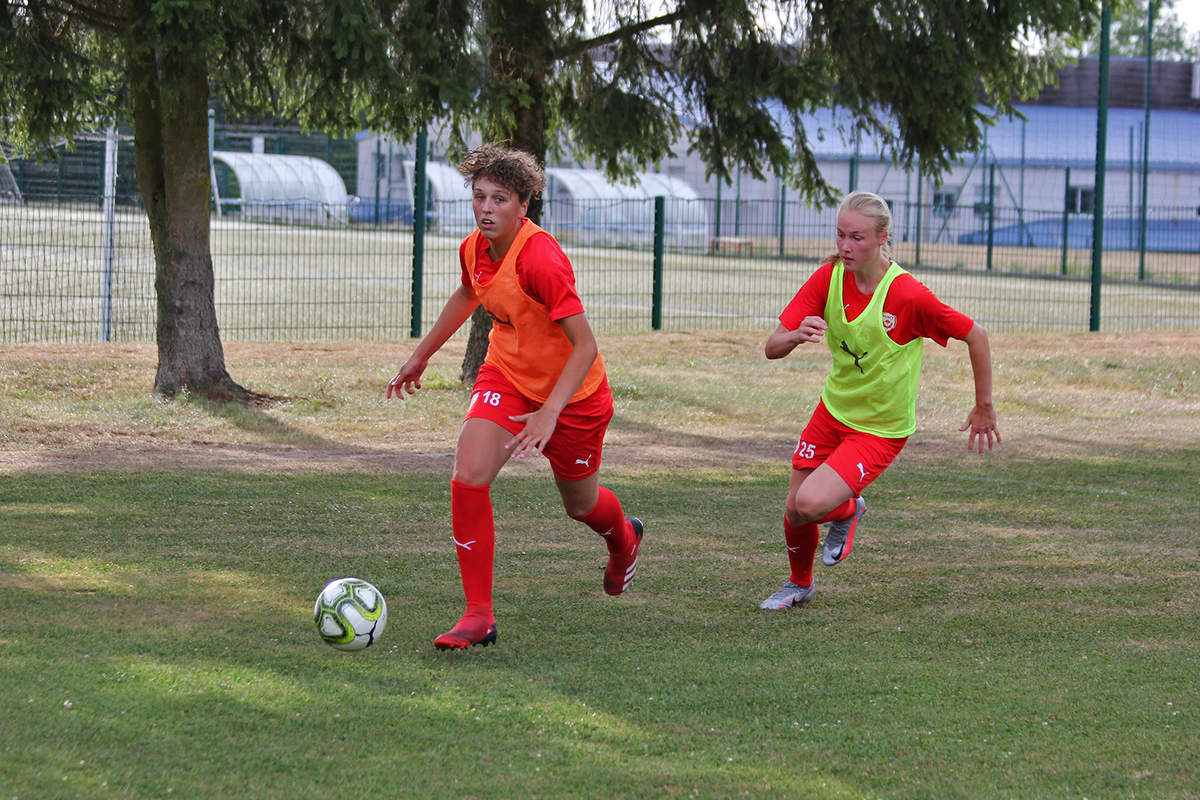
pixel 255 419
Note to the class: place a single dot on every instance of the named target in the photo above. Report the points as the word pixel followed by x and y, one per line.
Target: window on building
pixel 944 201
pixel 1081 200
pixel 986 201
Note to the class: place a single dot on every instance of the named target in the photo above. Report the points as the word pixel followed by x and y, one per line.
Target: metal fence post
pixel 717 211
pixel 782 212
pixel 109 203
pixel 212 167
pixel 737 206
pixel 917 254
pixel 1066 228
pixel 660 220
pixel 991 212
pixel 418 265
pixel 1101 167
pixel 378 170
pixel 1145 144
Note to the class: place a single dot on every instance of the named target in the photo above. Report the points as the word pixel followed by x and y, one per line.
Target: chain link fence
pixel 1009 245
pixel 68 274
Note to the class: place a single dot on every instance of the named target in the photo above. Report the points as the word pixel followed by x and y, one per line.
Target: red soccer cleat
pixel 469 632
pixel 623 566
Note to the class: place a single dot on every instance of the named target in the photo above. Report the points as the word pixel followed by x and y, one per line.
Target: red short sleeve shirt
pixel 916 310
pixel 543 271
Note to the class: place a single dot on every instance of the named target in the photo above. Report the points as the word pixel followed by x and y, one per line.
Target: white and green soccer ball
pixel 350 613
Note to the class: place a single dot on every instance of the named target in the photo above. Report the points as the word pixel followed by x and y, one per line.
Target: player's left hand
pixel 982 422
pixel 539 427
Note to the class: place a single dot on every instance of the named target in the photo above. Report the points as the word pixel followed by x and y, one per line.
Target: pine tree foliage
pixel 623 83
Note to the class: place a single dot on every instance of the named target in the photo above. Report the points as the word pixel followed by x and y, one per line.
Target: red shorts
pixel 857 457
pixel 575 446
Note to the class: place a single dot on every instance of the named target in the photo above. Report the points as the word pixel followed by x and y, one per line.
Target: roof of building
pixel 1053 136
pixel 1173 84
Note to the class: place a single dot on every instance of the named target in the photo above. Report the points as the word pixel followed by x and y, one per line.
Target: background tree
pixel 624 82
pixel 619 82
pixel 72 65
pixel 1170 39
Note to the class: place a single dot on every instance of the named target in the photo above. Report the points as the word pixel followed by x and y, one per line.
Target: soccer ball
pixel 350 613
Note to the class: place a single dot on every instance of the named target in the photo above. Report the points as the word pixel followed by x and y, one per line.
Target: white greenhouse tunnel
pixel 581 206
pixel 278 188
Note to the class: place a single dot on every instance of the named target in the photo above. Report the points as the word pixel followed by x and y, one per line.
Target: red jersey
pixel 527 344
pixel 543 272
pixel 910 306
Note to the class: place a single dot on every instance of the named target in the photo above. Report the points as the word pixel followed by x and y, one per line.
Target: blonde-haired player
pixel 874 317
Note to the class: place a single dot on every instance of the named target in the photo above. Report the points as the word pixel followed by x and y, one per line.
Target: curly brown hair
pixel 513 169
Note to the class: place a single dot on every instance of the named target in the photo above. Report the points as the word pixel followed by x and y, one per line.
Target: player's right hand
pixel 407 380
pixel 812 329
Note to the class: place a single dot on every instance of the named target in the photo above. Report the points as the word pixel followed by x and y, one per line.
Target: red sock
pixel 608 520
pixel 475 544
pixel 802 547
pixel 843 512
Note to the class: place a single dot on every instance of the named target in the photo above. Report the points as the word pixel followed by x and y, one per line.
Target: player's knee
pixel 802 510
pixel 577 509
pixel 473 475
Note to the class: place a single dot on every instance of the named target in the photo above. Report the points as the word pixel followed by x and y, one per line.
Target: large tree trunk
pixel 169 86
pixel 518 61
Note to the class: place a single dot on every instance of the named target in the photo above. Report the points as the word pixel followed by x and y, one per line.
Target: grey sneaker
pixel 790 594
pixel 840 537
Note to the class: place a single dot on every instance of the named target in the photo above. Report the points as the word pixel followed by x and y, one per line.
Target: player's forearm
pixel 780 344
pixel 457 310
pixel 571 377
pixel 583 353
pixel 980 353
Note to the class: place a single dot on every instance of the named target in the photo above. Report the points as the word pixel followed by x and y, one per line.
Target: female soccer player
pixel 874 317
pixel 541 389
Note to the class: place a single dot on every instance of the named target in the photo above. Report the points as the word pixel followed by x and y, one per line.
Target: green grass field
pixel 1019 625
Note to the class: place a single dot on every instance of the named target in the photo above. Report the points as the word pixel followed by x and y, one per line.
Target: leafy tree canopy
pixel 619 82
pixel 1170 40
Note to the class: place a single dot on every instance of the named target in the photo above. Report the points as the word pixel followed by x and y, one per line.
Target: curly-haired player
pixel 542 387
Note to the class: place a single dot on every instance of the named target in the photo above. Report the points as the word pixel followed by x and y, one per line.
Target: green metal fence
pixel 71 273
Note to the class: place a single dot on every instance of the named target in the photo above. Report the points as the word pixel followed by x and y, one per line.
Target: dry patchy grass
pixel 684 400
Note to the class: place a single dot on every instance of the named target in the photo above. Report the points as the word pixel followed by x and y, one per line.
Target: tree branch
pixel 110 20
pixel 582 46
